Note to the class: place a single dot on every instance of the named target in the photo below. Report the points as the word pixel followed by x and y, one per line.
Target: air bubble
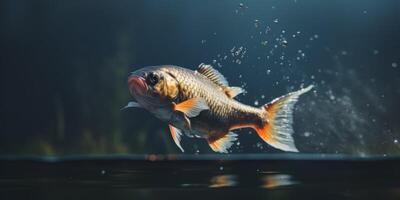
pixel 394 65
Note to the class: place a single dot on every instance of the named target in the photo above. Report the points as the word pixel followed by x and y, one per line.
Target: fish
pixel 201 104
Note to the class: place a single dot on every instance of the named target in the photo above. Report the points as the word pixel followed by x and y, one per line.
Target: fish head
pixel 153 86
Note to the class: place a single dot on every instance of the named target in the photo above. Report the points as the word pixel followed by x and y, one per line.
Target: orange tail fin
pixel 277 130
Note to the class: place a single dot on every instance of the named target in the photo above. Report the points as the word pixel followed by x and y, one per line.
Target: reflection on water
pixel 199 177
pixel 277 180
pixel 223 181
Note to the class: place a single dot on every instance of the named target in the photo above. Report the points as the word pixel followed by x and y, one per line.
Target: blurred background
pixel 64 66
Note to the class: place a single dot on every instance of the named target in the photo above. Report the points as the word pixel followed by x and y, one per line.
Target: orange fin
pixel 192 107
pixel 277 130
pixel 233 91
pixel 176 136
pixel 222 144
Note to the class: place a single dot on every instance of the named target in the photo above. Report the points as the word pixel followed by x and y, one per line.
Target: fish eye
pixel 152 79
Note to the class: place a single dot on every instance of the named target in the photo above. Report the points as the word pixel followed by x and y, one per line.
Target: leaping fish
pixel 201 104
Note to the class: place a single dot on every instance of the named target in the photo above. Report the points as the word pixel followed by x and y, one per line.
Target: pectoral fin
pixel 192 107
pixel 131 104
pixel 176 136
pixel 222 144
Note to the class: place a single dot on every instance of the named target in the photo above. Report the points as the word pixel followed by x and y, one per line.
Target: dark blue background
pixel 64 66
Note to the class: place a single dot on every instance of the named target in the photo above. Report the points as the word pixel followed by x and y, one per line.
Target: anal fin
pixel 222 144
pixel 176 136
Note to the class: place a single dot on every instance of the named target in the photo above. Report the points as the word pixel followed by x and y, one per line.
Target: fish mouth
pixel 137 85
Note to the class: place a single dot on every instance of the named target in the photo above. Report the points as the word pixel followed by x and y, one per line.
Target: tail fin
pixel 277 130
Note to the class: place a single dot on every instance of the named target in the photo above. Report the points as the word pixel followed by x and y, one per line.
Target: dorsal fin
pixel 217 78
pixel 212 74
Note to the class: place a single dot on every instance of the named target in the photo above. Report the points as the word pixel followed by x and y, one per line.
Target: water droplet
pixel 276 20
pixel 256 23
pixel 256 103
pixel 283 31
pixel 307 134
pixel 375 52
pixel 395 141
pixel 103 172
pixel 203 41
pixel 298 32
pixel 264 43
pixel 365 12
pixel 344 53
pixel 262 96
pixel 284 42
pixel 214 61
pixel 316 36
pixel 394 65
pixel 268 71
pixel 221 168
